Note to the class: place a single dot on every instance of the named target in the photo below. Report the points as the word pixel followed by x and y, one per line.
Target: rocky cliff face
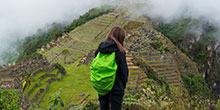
pixel 202 47
pixel 207 57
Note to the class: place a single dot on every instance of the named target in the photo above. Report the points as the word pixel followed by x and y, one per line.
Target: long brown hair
pixel 117 35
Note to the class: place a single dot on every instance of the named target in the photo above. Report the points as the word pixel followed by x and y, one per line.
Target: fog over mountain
pixel 20 18
pixel 168 11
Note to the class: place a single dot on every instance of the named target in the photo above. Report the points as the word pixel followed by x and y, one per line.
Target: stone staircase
pixel 136 76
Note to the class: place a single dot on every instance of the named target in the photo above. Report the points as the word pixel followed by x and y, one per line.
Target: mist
pixel 171 10
pixel 168 11
pixel 21 18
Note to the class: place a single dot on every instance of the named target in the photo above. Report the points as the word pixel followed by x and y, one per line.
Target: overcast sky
pixel 170 10
pixel 20 18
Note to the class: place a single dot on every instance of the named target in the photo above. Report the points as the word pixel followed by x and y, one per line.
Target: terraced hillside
pixel 147 48
pixel 14 75
pixel 82 39
pixel 136 75
pixel 67 51
pixel 40 84
pixel 156 51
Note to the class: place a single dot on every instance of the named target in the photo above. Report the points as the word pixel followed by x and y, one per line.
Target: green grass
pixel 79 45
pixel 32 94
pixel 106 18
pixel 88 29
pixel 36 80
pixel 133 75
pixel 73 84
pixel 134 71
pixel 83 46
pixel 104 21
pixel 37 76
pixel 77 80
pixel 53 58
pixel 28 88
pixel 102 24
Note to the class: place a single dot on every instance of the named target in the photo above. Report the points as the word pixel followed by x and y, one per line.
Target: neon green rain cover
pixel 103 72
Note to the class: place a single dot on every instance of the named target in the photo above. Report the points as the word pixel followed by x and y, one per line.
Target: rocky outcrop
pixel 13 75
pixel 207 56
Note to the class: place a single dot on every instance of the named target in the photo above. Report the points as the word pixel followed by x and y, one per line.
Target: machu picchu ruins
pixel 168 68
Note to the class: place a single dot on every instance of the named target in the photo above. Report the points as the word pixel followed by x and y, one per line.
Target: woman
pixel 114 43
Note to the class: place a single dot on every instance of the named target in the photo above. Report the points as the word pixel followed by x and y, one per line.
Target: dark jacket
pixel 122 70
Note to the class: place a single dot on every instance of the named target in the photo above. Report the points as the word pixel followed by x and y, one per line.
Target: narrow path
pixel 136 75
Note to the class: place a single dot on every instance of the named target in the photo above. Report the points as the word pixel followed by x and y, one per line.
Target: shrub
pixel 90 105
pixel 56 100
pixel 196 85
pixel 9 99
pixel 60 68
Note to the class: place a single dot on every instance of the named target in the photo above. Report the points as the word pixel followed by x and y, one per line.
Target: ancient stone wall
pixel 87 59
pixel 14 74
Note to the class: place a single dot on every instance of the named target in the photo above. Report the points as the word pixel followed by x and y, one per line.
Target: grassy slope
pixel 73 84
pixel 35 80
pixel 77 79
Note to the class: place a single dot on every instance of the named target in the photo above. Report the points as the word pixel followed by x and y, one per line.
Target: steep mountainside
pixel 201 46
pixel 156 67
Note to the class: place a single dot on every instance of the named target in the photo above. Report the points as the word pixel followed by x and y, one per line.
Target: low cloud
pixel 20 18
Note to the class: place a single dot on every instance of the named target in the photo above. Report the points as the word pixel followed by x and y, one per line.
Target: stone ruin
pixel 65 36
pixel 54 42
pixel 87 59
pixel 13 75
pixel 48 46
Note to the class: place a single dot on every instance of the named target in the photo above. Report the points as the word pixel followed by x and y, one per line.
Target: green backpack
pixel 103 72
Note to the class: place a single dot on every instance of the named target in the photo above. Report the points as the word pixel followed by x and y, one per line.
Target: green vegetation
pixel 55 99
pixel 130 101
pixel 90 105
pixel 159 46
pixel 196 85
pixel 154 96
pixel 9 98
pixel 182 33
pixel 133 25
pixel 73 84
pixel 62 55
pixel 36 80
pixel 180 29
pixel 34 42
pixel 76 81
pixel 93 13
pixel 151 74
pixel 174 30
pixel 60 68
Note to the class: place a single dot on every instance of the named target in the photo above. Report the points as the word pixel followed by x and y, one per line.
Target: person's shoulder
pixel 121 54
